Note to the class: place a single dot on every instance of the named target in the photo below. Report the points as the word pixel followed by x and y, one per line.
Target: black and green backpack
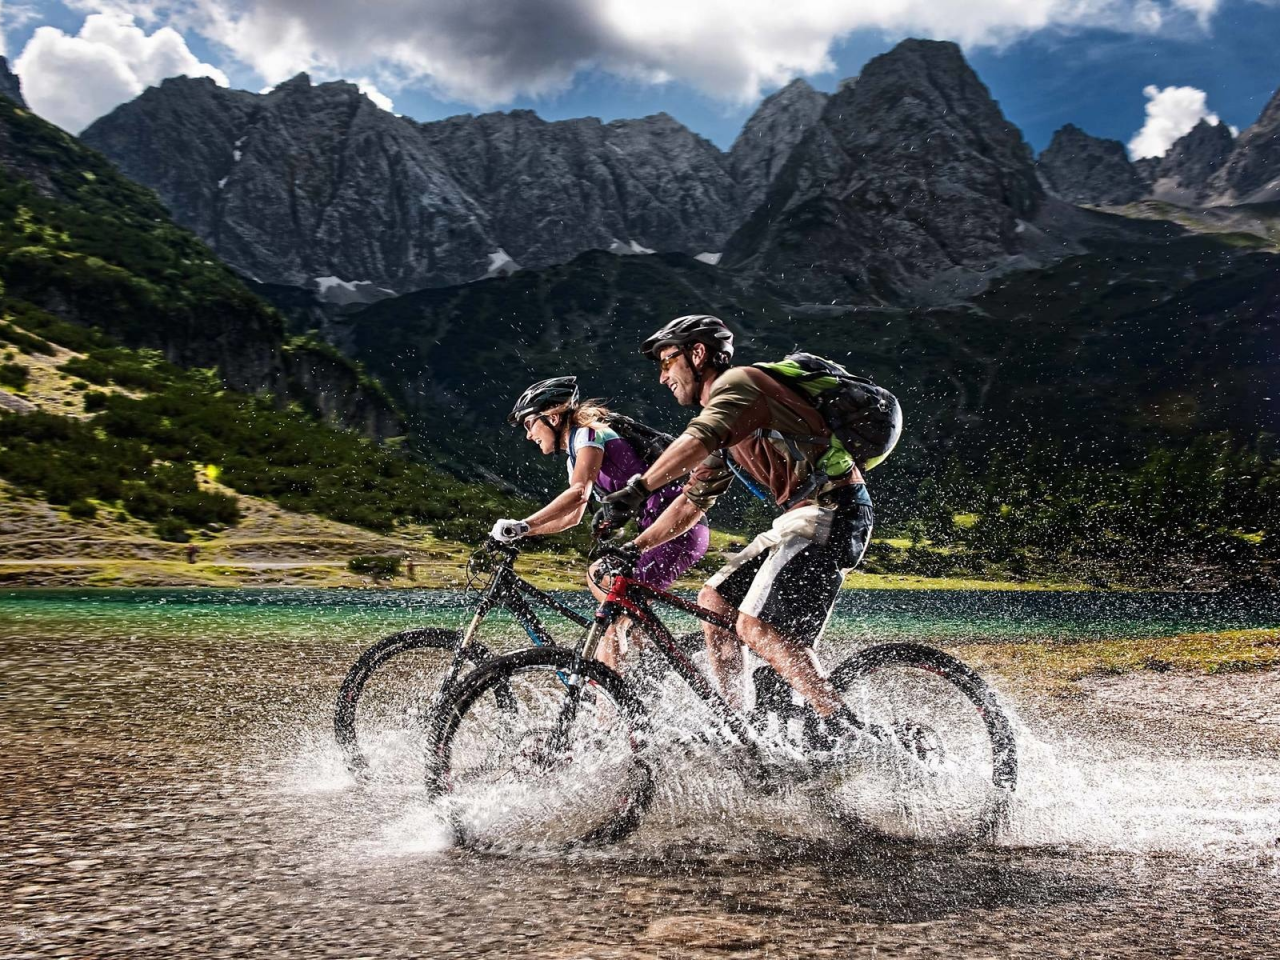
pixel 865 418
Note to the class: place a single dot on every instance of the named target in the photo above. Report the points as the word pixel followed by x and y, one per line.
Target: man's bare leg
pixel 795 662
pixel 724 648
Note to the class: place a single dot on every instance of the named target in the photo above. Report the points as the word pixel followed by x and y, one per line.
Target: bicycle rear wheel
pixel 385 703
pixel 940 760
pixel 564 769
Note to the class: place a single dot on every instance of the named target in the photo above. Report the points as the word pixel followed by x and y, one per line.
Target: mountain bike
pixel 575 763
pixel 393 689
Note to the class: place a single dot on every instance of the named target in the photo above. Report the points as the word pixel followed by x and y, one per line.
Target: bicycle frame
pixel 508 589
pixel 628 596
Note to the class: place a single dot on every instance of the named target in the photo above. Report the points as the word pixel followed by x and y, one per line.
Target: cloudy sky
pixel 1140 71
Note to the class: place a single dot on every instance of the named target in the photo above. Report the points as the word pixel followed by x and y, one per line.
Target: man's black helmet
pixel 544 395
pixel 695 328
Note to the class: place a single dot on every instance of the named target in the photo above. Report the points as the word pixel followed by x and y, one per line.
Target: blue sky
pixel 1093 76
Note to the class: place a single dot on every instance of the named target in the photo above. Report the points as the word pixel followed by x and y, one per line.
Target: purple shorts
pixel 663 565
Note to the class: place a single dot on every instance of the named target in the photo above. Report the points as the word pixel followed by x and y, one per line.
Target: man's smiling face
pixel 676 373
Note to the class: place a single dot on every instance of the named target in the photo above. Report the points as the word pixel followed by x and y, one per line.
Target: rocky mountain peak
pixel 299 81
pixel 10 85
pixel 1252 173
pixel 1081 168
pixel 910 174
pixel 767 139
pixel 1183 173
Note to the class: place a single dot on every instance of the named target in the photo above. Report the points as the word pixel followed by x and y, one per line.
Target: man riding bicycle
pixel 555 418
pixel 783 586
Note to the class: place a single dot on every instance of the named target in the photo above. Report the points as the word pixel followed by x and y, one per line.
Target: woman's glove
pixel 508 531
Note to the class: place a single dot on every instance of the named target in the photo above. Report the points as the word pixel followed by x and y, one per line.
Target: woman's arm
pixel 566 510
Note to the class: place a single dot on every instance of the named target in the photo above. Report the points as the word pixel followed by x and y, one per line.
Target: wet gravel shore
pixel 166 798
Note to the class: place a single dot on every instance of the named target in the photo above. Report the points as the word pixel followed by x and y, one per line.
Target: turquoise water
pixel 351 615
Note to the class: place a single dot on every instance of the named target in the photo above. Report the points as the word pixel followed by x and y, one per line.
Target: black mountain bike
pixel 394 688
pixel 547 746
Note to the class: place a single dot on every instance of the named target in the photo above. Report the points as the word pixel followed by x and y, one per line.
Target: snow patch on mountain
pixel 711 258
pixel 628 249
pixel 339 291
pixel 501 264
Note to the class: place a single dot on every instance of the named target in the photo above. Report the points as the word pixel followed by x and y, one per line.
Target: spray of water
pixel 1078 789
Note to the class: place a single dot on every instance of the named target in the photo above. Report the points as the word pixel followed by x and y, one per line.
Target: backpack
pixel 648 443
pixel 865 418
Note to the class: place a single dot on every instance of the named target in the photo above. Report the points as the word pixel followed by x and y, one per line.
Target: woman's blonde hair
pixel 584 413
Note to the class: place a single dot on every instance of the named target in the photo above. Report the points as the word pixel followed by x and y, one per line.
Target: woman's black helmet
pixel 544 395
pixel 695 328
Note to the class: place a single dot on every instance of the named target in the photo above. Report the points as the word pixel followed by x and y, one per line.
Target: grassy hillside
pixel 124 430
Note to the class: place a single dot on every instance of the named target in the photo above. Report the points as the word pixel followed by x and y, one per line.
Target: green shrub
pixel 82 510
pixel 24 341
pixel 14 375
pixel 380 568
pixel 87 368
pixel 172 530
pixel 94 401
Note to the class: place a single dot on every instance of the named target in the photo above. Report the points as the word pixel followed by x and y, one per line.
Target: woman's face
pixel 541 429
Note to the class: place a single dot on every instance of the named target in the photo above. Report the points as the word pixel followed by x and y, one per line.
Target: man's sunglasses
pixel 666 363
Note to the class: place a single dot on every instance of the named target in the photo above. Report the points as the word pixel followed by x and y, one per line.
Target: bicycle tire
pixel 371 660
pixel 620 814
pixel 963 679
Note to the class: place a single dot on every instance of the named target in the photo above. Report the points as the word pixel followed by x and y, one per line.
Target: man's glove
pixel 508 531
pixel 621 560
pixel 619 507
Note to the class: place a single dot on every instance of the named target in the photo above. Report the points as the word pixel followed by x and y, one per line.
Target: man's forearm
pixel 680 515
pixel 685 453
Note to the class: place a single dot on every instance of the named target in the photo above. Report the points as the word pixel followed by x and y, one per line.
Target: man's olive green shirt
pixel 742 401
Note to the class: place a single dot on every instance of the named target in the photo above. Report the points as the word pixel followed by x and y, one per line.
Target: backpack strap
pixel 746 480
pixel 793 441
pixel 599 491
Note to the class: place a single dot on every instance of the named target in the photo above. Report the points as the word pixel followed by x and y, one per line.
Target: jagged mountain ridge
pixel 907 184
pixel 312 181
pixel 1206 167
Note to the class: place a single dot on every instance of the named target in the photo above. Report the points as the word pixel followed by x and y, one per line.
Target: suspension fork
pixel 488 600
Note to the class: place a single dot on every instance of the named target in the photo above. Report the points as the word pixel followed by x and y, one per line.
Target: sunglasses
pixel 666 363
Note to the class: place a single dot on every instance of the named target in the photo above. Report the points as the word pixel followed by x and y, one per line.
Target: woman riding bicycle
pixel 554 418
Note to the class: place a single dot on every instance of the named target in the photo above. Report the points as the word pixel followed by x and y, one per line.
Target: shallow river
pixel 170 786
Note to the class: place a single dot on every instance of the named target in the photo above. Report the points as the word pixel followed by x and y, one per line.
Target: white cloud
pixel 1202 9
pixel 370 90
pixel 71 81
pixel 487 52
pixel 1171 113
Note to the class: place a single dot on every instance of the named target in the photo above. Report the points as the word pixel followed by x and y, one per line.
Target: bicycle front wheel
pixel 386 701
pixel 939 759
pixel 565 768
